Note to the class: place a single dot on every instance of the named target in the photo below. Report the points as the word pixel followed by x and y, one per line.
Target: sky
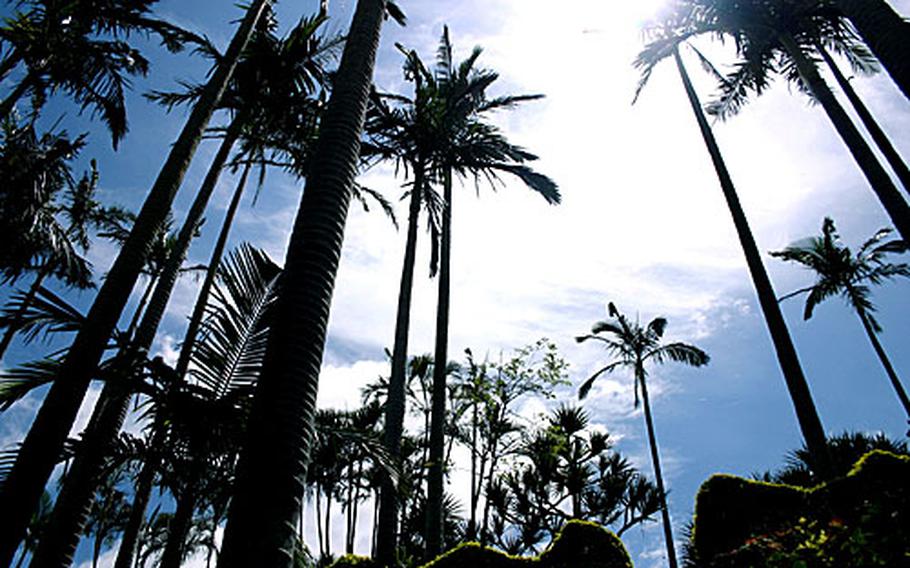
pixel 642 224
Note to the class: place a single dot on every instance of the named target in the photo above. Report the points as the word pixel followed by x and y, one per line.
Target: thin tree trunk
pixel 9 63
pixel 328 522
pixel 878 178
pixel 6 106
pixel 126 554
pixel 140 307
pixel 475 484
pixel 885 32
pixel 272 469
pixel 42 446
pixel 71 511
pixel 318 516
pixel 886 363
pixel 875 131
pixel 13 326
pixel 177 532
pixel 658 475
pixel 809 421
pixel 436 473
pixel 395 400
pixel 192 330
pixel 144 483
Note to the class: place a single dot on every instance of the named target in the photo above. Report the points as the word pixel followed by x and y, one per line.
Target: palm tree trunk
pixel 878 178
pixel 328 522
pixel 6 106
pixel 885 32
pixel 875 131
pixel 9 63
pixel 886 363
pixel 395 400
pixel 13 326
pixel 318 516
pixel 145 481
pixel 658 475
pixel 140 307
pixel 436 473
pixel 272 468
pixel 127 552
pixel 178 531
pixel 192 330
pixel 71 512
pixel 41 448
pixel 809 421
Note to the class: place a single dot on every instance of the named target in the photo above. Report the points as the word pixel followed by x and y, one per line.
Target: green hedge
pixel 580 544
pixel 861 519
pixel 354 561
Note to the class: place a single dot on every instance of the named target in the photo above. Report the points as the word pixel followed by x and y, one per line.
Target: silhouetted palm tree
pixel 666 45
pixel 469 147
pixel 780 36
pixel 272 468
pixel 885 32
pixel 632 347
pixel 22 490
pixel 81 48
pixel 840 272
pixel 46 216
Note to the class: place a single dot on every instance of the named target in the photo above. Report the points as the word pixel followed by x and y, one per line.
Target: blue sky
pixel 643 224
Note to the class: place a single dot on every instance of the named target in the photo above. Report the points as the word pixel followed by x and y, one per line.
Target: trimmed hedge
pixel 861 519
pixel 580 544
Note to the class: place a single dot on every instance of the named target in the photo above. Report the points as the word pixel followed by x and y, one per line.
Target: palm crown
pixel 840 272
pixel 633 345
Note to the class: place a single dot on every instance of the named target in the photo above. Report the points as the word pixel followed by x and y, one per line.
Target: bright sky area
pixel 643 224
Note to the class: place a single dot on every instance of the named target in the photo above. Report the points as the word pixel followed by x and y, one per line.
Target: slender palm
pixel 81 48
pixel 810 424
pixel 22 489
pixel 894 159
pixel 885 32
pixel 840 272
pixel 781 36
pixel 467 147
pixel 272 468
pixel 632 347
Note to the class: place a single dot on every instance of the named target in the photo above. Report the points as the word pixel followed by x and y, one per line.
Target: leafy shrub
pixel 859 520
pixel 579 545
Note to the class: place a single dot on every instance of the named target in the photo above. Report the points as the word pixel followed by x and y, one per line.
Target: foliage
pixel 566 471
pixel 578 544
pixel 859 519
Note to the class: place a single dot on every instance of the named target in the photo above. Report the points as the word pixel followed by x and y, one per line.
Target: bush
pixel 858 520
pixel 354 561
pixel 580 544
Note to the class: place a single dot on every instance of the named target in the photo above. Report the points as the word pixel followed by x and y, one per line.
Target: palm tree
pixel 46 216
pixel 470 148
pixel 781 36
pixel 885 32
pixel 840 272
pixel 272 468
pixel 632 346
pixel 22 489
pixel 80 48
pixel 809 422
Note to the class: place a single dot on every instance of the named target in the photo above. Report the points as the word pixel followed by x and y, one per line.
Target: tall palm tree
pixel 840 272
pixel 22 489
pixel 468 147
pixel 894 159
pixel 272 468
pixel 81 48
pixel 807 416
pixel 780 36
pixel 632 347
pixel 885 32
